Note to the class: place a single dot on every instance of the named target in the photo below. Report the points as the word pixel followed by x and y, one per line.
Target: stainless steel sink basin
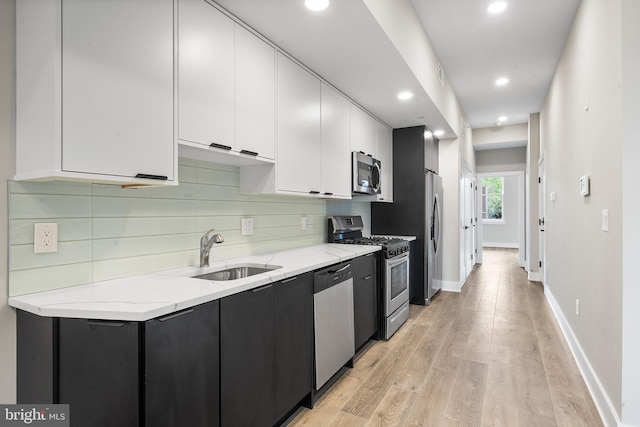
pixel 236 272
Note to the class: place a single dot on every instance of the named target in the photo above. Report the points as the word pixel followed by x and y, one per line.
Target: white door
pixel 542 220
pixel 467 217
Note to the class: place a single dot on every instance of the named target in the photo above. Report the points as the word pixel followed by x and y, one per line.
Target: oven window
pixel 399 279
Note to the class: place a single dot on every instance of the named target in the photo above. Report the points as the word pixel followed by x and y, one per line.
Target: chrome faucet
pixel 206 242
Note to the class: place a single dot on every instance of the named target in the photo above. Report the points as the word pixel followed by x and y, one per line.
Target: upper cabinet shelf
pixel 95 91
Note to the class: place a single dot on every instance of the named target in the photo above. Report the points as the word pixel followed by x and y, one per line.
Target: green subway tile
pixel 119 191
pixel 121 247
pixel 215 192
pixel 104 228
pixel 168 261
pixel 173 225
pixel 47 278
pixel 217 166
pixel 218 177
pixel 121 207
pixel 184 191
pixel 22 256
pixel 174 243
pixel 121 267
pixel 21 231
pixel 42 206
pixel 186 162
pixel 220 223
pixel 170 207
pixel 187 174
pixel 51 187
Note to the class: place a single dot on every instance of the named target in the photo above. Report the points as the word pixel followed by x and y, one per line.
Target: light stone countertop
pixel 144 297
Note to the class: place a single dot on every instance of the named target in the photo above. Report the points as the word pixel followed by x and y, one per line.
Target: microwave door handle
pixel 377 176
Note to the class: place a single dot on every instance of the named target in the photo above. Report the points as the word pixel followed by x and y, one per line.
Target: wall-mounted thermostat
pixel 584 185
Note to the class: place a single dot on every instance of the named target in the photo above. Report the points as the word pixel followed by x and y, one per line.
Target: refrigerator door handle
pixel 436 215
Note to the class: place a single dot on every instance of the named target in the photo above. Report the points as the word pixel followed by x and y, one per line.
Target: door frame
pixel 521 212
pixel 542 214
pixel 467 176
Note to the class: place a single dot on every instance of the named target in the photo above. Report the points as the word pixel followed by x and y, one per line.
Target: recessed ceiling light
pixel 438 133
pixel 427 134
pixel 502 119
pixel 316 5
pixel 405 95
pixel 497 7
pixel 502 81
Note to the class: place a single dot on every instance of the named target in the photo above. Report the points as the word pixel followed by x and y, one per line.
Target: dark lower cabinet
pixel 266 339
pixel 365 299
pixel 182 368
pixel 247 358
pixel 163 372
pixel 293 321
pixel 99 372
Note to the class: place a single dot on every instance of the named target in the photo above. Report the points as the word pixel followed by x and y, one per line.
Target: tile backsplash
pixel 107 232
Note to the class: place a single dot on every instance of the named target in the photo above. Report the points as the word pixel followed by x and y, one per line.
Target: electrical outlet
pixel 247 226
pixel 577 307
pixel 303 223
pixel 45 238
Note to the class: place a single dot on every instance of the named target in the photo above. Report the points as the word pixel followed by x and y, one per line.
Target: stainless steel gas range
pixel 394 289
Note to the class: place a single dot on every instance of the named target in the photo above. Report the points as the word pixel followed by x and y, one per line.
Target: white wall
pixel 501 160
pixel 577 139
pixel 505 234
pixel 500 136
pixel 449 159
pixel 630 212
pixel 7 113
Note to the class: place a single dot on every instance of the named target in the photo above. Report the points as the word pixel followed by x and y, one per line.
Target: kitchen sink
pixel 236 272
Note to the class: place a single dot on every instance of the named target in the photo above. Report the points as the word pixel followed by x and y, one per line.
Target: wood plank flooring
pixel 492 355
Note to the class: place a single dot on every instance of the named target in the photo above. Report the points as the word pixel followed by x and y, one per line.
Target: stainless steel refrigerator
pixel 416 209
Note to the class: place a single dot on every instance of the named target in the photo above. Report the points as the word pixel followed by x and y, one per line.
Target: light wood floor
pixel 492 355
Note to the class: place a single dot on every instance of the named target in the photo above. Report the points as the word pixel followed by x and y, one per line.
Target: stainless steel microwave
pixel 366 174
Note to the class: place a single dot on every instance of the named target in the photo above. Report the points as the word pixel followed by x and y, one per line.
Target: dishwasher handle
pixel 339 270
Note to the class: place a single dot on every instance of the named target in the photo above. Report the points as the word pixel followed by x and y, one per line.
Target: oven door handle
pixel 398 260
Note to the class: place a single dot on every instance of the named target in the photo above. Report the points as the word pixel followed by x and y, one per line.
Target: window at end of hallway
pixel 492 199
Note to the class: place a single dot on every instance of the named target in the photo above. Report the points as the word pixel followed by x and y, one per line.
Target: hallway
pixel 492 355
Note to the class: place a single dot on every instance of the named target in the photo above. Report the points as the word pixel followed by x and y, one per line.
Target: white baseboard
pixel 601 399
pixel 534 276
pixel 452 286
pixel 500 245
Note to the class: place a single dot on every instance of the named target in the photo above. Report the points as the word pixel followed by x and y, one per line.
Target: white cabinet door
pixel 206 74
pixel 254 94
pixel 336 151
pixel 385 155
pixel 298 165
pixel 363 132
pixel 117 87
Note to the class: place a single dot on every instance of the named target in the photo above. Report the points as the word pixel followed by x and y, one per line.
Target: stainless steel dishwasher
pixel 333 320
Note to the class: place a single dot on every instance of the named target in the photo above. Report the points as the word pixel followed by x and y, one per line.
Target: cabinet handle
pixel 109 323
pixel 261 288
pixel 340 269
pixel 249 153
pixel 367 278
pixel 290 279
pixel 314 192
pixel 174 315
pixel 328 194
pixel 149 176
pixel 221 146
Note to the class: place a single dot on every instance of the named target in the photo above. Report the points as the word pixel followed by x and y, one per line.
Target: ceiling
pixel 345 45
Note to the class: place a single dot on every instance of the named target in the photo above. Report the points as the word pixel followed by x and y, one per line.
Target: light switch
pixel 605 220
pixel 247 226
pixel 552 196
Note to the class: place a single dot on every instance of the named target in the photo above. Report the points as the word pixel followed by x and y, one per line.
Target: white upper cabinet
pixel 95 91
pixel 206 75
pixel 364 130
pixel 298 159
pixel 226 88
pixel 255 91
pixel 336 151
